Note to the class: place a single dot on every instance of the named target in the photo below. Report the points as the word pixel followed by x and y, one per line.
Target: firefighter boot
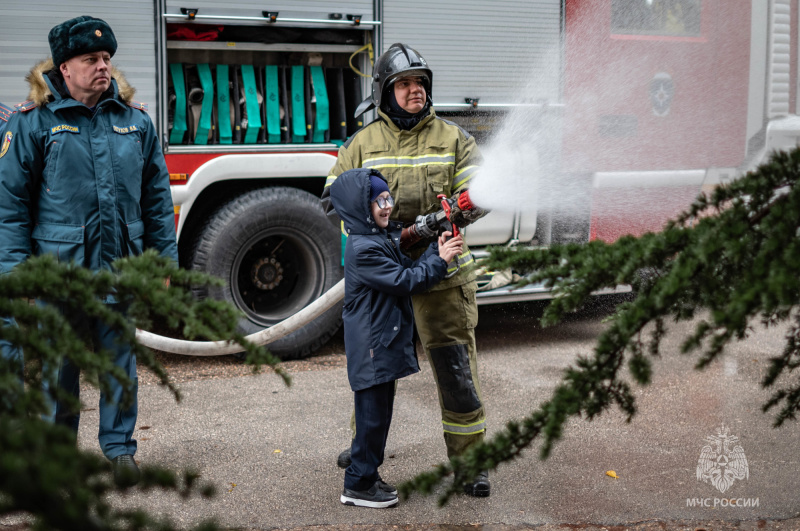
pixel 480 487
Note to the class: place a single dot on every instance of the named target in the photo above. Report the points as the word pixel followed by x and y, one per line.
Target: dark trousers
pixel 373 411
pixel 115 433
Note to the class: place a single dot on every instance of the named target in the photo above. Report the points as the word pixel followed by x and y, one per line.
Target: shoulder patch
pixel 5 112
pixel 138 105
pixel 26 106
pixel 6 143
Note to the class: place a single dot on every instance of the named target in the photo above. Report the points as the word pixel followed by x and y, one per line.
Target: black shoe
pixel 480 487
pixel 374 497
pixel 344 460
pixel 126 473
pixel 385 487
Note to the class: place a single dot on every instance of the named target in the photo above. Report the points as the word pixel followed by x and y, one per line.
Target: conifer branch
pixel 732 255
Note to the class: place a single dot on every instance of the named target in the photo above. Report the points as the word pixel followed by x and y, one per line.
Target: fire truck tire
pixel 277 253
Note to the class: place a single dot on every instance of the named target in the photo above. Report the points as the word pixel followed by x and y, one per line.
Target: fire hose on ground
pixel 221 348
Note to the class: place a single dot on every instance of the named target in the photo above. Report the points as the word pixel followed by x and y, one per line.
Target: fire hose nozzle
pixel 464 202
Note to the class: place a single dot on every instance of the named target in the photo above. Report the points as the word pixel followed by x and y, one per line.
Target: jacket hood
pixel 41 92
pixel 350 198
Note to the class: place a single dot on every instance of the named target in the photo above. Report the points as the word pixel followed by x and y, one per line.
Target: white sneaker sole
pixel 357 502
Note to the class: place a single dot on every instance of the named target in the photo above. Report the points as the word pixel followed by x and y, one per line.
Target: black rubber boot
pixel 480 487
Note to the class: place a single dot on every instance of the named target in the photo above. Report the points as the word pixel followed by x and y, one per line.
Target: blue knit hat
pixel 376 186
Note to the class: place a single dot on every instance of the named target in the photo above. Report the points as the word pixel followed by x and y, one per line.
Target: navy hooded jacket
pixel 379 282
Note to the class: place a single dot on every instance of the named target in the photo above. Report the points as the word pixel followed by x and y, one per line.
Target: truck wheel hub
pixel 266 273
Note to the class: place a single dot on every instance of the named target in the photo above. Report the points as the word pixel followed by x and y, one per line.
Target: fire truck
pixel 642 104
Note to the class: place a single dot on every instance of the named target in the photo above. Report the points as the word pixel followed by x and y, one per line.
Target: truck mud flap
pixel 337 109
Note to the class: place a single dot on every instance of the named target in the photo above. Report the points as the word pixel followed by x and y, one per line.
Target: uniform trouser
pixel 116 424
pixel 373 416
pixel 446 321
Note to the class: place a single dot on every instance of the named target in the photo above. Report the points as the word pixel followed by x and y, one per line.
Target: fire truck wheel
pixel 277 253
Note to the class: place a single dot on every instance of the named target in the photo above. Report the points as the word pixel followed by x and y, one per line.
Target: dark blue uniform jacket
pixel 379 282
pixel 81 185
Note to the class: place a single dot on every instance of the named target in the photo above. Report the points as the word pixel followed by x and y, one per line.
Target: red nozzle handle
pixel 446 208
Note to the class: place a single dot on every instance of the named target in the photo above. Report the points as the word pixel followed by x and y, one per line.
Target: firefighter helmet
pixel 399 60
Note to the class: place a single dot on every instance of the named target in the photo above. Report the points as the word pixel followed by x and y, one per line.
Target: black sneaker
pixel 374 497
pixel 385 487
pixel 480 487
pixel 126 473
pixel 344 459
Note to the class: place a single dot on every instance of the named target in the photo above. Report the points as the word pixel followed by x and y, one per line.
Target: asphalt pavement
pixel 271 450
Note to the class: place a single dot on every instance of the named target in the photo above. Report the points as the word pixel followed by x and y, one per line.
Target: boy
pixel 378 320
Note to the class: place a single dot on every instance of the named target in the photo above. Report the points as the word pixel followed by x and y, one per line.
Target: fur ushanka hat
pixel 78 36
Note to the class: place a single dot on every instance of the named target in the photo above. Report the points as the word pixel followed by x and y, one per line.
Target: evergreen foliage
pixel 730 259
pixel 42 472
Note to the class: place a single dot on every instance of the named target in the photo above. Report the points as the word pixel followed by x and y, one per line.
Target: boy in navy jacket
pixel 378 320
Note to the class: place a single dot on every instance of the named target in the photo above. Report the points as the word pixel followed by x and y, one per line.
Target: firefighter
pixel 423 156
pixel 82 177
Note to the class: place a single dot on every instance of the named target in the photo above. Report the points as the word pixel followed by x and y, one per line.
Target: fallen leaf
pixel 276 452
pixel 612 474
pixel 233 486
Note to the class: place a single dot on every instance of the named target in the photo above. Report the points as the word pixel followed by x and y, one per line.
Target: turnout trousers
pixel 446 321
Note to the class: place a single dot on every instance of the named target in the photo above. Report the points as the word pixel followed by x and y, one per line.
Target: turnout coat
pixel 379 282
pixel 83 186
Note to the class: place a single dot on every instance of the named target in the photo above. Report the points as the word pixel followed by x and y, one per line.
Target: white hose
pixel 268 335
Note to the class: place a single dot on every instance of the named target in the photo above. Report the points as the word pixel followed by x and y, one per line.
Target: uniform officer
pixel 82 177
pixel 423 156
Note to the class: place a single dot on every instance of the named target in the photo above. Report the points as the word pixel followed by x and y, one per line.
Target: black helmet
pixel 398 61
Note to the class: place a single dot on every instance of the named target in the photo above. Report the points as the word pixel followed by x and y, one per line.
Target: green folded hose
pixel 298 105
pixel 207 82
pixel 223 105
pixel 179 126
pixel 273 104
pixel 322 120
pixel 251 101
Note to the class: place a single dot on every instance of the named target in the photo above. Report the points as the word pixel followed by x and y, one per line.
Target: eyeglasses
pixel 384 202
